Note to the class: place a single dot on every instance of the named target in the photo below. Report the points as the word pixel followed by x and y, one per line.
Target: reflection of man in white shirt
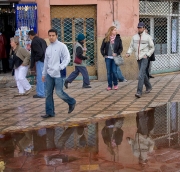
pixel 141 146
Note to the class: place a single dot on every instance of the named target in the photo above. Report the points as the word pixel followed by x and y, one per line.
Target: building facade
pixel 94 17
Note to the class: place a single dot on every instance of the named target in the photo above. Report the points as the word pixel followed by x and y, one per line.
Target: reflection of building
pixel 76 137
pixel 167 125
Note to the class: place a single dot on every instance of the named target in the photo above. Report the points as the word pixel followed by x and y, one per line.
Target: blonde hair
pixel 15 39
pixel 108 34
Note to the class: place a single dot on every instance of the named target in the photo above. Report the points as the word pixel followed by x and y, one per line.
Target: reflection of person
pixel 57 58
pixel 38 48
pixel 143 143
pixel 21 59
pixel 113 134
pixel 78 51
pixel 112 41
pixel 141 146
pixel 143 47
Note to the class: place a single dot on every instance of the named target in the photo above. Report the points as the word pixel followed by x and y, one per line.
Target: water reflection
pixel 112 134
pixel 143 144
pixel 147 141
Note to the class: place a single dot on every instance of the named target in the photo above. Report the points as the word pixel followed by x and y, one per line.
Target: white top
pixel 57 58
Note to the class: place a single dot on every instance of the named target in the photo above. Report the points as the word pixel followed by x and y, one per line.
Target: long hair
pixel 108 34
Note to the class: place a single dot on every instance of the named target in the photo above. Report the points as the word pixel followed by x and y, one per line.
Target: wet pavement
pixel 24 113
pixel 108 131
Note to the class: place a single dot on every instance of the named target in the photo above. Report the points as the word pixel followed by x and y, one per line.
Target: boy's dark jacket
pixel 38 49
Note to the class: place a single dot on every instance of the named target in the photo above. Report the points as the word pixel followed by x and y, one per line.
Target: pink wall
pixel 44 23
pixel 126 13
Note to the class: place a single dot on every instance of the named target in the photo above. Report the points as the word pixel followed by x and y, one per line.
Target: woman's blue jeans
pixel 111 72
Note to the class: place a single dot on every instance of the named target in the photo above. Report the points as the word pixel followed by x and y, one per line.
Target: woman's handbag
pixel 77 60
pixel 152 57
pixel 117 59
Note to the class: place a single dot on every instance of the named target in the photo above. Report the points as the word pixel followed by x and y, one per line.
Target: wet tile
pixel 77 119
pixel 47 123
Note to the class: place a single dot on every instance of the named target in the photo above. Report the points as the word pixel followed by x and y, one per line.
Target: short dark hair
pixel 32 33
pixel 52 30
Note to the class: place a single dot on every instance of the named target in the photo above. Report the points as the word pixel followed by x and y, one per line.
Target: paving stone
pixel 98 102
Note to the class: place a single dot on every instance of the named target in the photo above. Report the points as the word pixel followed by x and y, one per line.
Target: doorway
pixel 7 30
pixel 69 21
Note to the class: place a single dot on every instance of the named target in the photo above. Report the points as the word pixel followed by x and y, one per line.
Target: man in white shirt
pixel 57 57
pixel 143 46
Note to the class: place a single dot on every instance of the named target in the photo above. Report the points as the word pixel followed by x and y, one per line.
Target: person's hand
pixel 22 65
pixel 105 56
pixel 145 57
pixel 85 49
pixel 127 55
pixel 114 54
pixel 43 78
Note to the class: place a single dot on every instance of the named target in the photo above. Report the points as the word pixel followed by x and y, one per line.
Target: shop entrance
pixel 7 30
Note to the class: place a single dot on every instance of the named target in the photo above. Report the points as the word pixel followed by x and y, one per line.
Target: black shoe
pixel 138 95
pixel 46 116
pixel 66 83
pixel 150 76
pixel 86 86
pixel 36 96
pixel 71 107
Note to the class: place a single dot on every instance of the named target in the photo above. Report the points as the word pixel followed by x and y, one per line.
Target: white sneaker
pixel 19 94
pixel 29 91
pixel 125 80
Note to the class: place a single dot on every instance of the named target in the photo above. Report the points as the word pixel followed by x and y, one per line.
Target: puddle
pixel 147 141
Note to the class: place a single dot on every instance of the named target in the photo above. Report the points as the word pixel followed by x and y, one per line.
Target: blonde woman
pixel 21 58
pixel 112 41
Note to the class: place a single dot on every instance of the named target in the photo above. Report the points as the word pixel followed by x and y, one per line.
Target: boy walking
pixel 57 58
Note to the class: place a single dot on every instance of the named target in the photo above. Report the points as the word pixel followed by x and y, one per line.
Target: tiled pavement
pixel 23 113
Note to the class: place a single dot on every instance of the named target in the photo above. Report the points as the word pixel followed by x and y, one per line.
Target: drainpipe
pixel 113 9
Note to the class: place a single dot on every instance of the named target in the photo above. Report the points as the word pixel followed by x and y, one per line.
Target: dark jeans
pixel 147 69
pixel 58 84
pixel 83 71
pixel 119 74
pixel 143 78
pixel 111 68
